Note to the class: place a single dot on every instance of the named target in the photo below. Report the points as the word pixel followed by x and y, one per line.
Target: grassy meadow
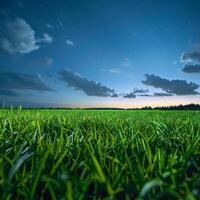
pixel 90 154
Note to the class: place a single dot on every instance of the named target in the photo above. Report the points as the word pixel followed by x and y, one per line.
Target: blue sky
pixel 116 53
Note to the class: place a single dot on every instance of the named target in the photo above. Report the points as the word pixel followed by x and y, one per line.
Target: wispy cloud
pixel 45 39
pixel 135 93
pixel 177 87
pixel 8 92
pixel 115 70
pixel 129 95
pixel 112 70
pixel 118 70
pixel 89 87
pixel 162 94
pixel 140 91
pixel 49 26
pixel 157 94
pixel 70 42
pixel 12 82
pixel 60 23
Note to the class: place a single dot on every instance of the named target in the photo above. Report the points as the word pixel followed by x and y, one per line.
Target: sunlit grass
pixel 58 154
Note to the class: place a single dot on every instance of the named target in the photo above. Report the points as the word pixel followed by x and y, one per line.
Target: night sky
pixel 99 53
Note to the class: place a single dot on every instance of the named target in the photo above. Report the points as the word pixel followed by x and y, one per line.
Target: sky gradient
pixel 102 53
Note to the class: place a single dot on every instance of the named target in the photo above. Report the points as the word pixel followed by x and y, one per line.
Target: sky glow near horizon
pixel 117 53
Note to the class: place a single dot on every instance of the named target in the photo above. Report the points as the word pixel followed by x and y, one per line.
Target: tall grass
pixel 58 154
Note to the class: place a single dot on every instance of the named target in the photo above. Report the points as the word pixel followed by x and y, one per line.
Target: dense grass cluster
pixel 60 154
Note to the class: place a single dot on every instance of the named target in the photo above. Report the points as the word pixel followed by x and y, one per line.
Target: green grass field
pixel 74 154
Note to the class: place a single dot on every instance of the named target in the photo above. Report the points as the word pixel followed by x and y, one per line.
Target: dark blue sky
pixel 96 53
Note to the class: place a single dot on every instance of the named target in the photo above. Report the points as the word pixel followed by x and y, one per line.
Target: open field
pixel 74 154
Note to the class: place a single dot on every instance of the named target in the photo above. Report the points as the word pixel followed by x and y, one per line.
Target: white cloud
pixel 46 38
pixel 17 36
pixel 70 42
